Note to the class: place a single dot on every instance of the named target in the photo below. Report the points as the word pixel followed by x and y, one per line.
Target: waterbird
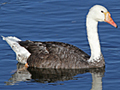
pixel 62 55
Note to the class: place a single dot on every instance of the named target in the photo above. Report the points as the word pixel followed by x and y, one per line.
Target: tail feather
pixel 22 54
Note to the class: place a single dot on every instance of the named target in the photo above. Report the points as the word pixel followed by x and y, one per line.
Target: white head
pixel 100 13
pixel 96 13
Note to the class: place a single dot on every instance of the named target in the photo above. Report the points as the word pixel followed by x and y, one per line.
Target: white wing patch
pixel 22 54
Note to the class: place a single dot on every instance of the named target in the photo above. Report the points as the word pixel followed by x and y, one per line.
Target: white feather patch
pixel 22 54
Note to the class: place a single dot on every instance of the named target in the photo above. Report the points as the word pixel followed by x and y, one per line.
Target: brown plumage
pixel 56 55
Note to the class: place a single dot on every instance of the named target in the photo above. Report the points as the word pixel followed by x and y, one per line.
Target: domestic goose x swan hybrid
pixel 61 55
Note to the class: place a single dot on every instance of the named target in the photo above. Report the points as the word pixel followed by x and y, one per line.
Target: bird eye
pixel 102 11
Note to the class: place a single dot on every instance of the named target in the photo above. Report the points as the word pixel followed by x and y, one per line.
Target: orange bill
pixel 109 20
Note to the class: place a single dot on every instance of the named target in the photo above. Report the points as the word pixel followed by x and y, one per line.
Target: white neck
pixel 93 39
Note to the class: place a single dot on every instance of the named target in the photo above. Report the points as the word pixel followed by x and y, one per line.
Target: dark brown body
pixel 57 55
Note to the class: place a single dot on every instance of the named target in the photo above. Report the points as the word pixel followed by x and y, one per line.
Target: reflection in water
pixel 97 80
pixel 19 75
pixel 53 75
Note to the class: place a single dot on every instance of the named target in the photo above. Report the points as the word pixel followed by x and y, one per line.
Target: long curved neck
pixel 93 39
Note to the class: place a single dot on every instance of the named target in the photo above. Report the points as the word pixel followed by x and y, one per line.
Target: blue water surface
pixel 61 21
